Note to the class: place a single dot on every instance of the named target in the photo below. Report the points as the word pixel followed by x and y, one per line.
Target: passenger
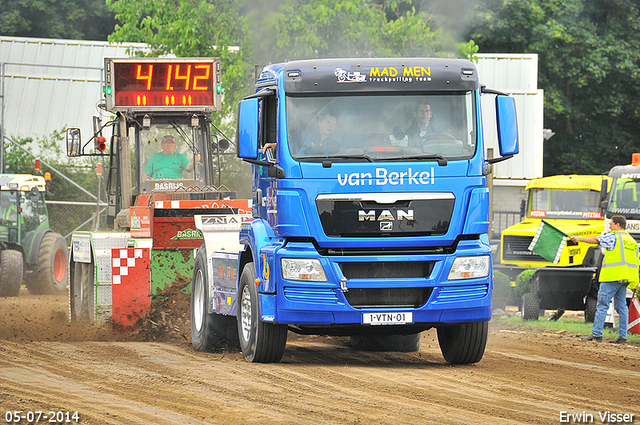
pixel 168 164
pixel 422 126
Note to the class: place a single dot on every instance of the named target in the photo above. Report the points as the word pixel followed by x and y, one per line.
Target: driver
pixel 319 141
pixel 168 164
pixel 422 125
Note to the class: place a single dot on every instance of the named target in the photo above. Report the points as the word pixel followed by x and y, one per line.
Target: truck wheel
pixel 464 343
pixel 208 331
pixel 260 342
pixel 11 271
pixel 81 293
pixel 50 273
pixel 530 306
pixel 400 343
pixel 590 309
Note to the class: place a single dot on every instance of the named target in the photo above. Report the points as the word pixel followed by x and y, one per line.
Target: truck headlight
pixel 469 267
pixel 305 269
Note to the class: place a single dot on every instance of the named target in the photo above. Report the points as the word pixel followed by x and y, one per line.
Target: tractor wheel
pixel 11 271
pixel 50 273
pixel 81 293
pixel 590 309
pixel 400 343
pixel 530 306
pixel 260 342
pixel 464 343
pixel 209 331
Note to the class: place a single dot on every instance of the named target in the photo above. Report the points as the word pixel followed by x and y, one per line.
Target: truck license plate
pixel 389 318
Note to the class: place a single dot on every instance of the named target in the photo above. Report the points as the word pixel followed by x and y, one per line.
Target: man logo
pixel 385 215
pixel 386 226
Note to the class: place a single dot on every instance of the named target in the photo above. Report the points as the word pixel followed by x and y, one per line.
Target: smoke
pixel 451 15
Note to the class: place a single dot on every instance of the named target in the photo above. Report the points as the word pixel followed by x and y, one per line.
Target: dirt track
pixel 526 376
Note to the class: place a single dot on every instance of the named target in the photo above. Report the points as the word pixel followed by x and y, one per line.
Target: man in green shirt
pixel 168 164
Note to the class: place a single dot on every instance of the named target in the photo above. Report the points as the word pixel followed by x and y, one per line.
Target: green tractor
pixel 30 251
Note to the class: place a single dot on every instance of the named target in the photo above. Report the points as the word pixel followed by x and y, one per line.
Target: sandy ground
pixel 526 377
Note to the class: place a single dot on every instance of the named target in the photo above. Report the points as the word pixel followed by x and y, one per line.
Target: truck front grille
pixel 387 297
pixel 516 248
pixel 387 269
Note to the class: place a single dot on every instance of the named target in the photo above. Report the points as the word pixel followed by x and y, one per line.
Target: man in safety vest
pixel 619 271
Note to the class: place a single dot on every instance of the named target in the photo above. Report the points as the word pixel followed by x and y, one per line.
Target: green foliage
pixel 523 282
pixel 345 28
pixel 501 285
pixel 589 54
pixel 72 19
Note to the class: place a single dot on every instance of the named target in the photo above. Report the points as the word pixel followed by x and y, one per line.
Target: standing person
pixel 422 125
pixel 168 164
pixel 619 270
pixel 319 141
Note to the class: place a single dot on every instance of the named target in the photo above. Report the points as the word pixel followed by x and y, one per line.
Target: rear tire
pixel 399 343
pixel 11 272
pixel 50 274
pixel 209 331
pixel 530 306
pixel 464 343
pixel 82 293
pixel 590 309
pixel 260 342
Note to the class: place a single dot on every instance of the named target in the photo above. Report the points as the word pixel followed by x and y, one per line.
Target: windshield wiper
pixel 327 157
pixel 442 161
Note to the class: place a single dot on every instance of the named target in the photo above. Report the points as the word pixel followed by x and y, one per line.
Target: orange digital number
pixel 169 72
pixel 186 78
pixel 148 76
pixel 205 77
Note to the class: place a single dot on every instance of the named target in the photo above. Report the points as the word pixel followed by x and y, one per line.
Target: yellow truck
pixel 571 203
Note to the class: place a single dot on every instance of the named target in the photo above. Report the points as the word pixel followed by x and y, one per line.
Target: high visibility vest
pixel 621 263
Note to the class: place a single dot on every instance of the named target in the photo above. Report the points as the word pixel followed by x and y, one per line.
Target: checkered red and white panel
pixel 122 260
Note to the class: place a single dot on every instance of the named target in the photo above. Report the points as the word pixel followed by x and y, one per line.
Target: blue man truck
pixel 371 225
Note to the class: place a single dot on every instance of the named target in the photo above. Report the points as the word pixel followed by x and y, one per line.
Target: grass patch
pixel 568 324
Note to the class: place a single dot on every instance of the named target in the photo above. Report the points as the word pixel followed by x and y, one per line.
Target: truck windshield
pixel 381 127
pixel 168 152
pixel 569 204
pixel 624 197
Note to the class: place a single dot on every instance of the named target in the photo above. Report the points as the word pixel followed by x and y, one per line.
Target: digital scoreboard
pixel 156 84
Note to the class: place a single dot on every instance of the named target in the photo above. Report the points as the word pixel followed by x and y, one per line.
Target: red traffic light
pixel 101 143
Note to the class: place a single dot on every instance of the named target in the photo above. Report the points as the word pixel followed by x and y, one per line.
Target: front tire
pixel 260 342
pixel 50 272
pixel 464 343
pixel 11 272
pixel 209 331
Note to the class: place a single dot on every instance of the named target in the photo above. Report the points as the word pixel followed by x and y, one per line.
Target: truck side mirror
pixel 74 147
pixel 507 125
pixel 604 190
pixel 248 128
pixel 523 209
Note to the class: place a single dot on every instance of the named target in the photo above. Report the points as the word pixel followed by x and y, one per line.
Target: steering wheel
pixel 441 137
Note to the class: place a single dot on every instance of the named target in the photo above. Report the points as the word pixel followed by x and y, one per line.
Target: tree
pixel 589 55
pixel 341 28
pixel 72 19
